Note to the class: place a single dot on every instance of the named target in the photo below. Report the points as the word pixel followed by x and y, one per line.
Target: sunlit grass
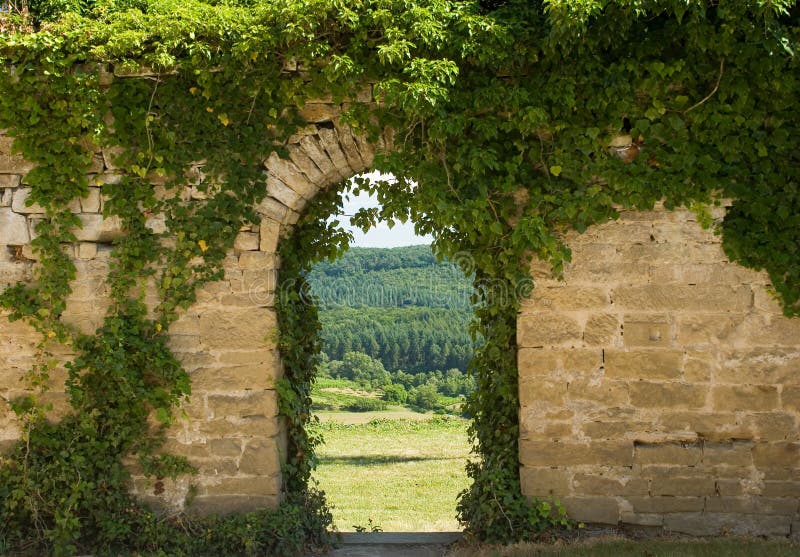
pixel 403 475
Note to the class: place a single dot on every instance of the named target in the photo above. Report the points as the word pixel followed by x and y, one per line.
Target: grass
pixel 397 475
pixel 392 412
pixel 614 547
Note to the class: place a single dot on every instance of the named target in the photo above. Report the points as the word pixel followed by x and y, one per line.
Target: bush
pixel 366 405
pixel 395 393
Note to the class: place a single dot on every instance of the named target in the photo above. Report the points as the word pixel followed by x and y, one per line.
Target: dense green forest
pixel 399 306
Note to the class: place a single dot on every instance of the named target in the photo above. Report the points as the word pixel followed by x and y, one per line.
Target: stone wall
pixel 660 384
pixel 229 428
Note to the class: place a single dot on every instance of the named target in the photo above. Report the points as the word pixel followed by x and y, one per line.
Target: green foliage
pixel 511 122
pixel 395 394
pixel 364 404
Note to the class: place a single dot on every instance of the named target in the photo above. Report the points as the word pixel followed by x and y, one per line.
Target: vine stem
pixel 499 506
pixel 713 91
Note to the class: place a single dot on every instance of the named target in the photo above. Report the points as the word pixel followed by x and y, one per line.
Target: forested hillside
pixel 398 305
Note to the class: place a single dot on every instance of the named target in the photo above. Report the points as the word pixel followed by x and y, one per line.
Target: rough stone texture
pixel 229 428
pixel 660 384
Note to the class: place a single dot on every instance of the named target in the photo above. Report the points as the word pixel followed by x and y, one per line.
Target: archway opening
pixel 393 374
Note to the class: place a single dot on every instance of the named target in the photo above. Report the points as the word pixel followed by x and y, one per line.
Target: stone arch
pixel 667 397
pixel 230 429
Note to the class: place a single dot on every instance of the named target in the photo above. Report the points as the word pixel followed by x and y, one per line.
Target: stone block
pixel 542 391
pixel 777 461
pixel 259 486
pixel 549 453
pixel 260 458
pixel 249 426
pixel 707 425
pixel 644 364
pixel 647 330
pixel 348 145
pixel 734 398
pixel 91 203
pixel 671 297
pixel 319 112
pixel 648 504
pixel 366 148
pixel 10 181
pixel 329 140
pixel 317 154
pixel 547 329
pixel 673 454
pixel 607 393
pixel 772 426
pixel 304 163
pixel 728 454
pixel 257 260
pixel 544 482
pixel 699 366
pixel 543 361
pixel 204 505
pixel 6 195
pixel 288 173
pixel 14 164
pixel 641 519
pixel 606 429
pixel 246 241
pixel 602 329
pixel 20 203
pixel 250 403
pixel 790 398
pixel 596 510
pixel 269 234
pixel 787 506
pixel 286 195
pixel 648 394
pixel 708 329
pixel 704 273
pixel 95 228
pixel 223 378
pixel 714 524
pixel 781 489
pixel 599 484
pixel 678 486
pixel 760 366
pixel 13 228
pixel 731 487
pixel 225 447
pixel 86 250
pixel 238 329
pixel 567 298
pixel 772 330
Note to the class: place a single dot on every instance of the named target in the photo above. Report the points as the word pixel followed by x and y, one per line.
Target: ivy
pixel 514 122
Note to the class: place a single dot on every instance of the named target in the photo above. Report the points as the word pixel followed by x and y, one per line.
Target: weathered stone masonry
pixel 231 430
pixel 660 386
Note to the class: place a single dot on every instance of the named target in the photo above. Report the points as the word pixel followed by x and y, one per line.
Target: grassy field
pixel 400 474
pixel 735 547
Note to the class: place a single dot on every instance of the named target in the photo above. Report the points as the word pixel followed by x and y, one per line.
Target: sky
pixel 381 236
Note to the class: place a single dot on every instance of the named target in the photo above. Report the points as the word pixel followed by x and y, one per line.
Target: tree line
pixel 399 306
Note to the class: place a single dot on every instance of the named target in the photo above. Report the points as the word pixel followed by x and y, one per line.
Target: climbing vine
pixel 514 122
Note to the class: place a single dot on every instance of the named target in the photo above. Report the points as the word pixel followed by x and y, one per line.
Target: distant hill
pixel 398 305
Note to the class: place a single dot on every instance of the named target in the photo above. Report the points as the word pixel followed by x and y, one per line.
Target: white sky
pixel 381 236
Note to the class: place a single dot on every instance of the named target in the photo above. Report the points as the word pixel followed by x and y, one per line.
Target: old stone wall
pixel 229 428
pixel 660 384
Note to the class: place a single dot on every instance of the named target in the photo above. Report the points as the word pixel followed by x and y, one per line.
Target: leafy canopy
pixel 518 121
